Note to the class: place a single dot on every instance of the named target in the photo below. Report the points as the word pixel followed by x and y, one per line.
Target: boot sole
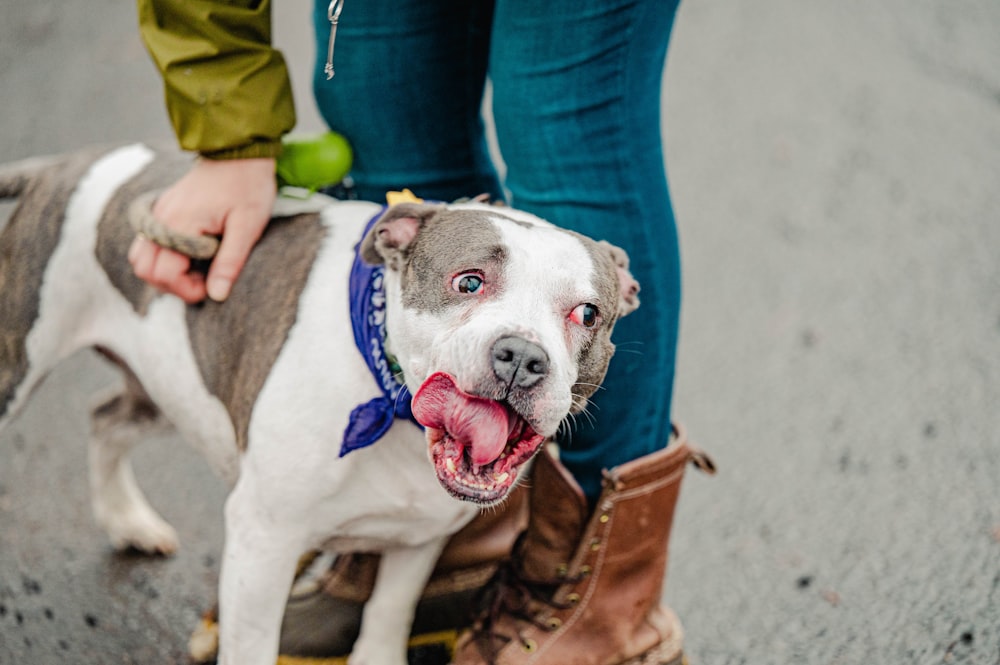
pixel 662 654
pixel 437 649
pixel 426 649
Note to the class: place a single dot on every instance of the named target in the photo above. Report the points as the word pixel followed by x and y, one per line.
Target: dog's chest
pixel 387 493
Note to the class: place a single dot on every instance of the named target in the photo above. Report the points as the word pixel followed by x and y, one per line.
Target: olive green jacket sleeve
pixel 227 89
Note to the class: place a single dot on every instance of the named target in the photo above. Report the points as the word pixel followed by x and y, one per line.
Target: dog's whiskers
pixel 624 347
pixel 566 428
pixel 591 420
pixel 399 396
pixel 634 352
pixel 571 423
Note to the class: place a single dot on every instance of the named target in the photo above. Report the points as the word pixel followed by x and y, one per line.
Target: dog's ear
pixel 628 287
pixel 391 236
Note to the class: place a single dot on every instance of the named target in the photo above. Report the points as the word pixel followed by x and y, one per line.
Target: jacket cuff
pixel 249 151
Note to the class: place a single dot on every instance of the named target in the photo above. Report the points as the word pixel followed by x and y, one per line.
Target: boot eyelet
pixel 573 598
pixel 585 570
pixel 529 646
pixel 553 623
pixel 604 518
pixel 595 544
pixel 562 569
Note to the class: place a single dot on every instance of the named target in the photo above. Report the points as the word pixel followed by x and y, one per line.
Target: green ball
pixel 313 161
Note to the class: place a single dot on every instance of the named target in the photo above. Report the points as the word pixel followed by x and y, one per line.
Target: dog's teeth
pixel 450 465
pixel 503 477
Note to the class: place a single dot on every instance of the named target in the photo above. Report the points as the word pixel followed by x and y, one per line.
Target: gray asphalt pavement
pixel 835 166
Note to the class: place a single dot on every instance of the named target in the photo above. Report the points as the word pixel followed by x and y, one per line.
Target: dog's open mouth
pixel 477 445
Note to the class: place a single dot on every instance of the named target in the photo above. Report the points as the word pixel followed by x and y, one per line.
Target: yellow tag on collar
pixel 405 196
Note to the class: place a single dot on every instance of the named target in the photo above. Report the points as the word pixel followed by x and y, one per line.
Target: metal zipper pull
pixel 333 14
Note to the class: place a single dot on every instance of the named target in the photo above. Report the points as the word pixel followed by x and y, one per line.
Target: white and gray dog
pixel 497 323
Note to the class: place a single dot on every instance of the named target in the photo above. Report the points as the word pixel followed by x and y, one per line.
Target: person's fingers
pixel 169 267
pixel 158 267
pixel 243 229
pixel 228 197
pixel 142 256
pixel 134 249
pixel 189 287
pixel 170 274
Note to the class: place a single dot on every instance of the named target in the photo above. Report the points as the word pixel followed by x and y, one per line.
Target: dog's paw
pixel 362 655
pixel 203 647
pixel 147 533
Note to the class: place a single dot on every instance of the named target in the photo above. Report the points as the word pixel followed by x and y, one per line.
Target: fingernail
pixel 218 289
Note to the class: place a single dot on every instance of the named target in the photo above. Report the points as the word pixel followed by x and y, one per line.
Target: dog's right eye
pixel 468 282
pixel 585 315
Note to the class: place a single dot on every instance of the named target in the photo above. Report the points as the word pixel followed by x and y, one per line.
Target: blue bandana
pixel 370 421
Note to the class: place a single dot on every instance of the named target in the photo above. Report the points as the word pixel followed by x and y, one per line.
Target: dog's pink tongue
pixel 477 423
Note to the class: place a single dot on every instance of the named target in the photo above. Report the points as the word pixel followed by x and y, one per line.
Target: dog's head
pixel 502 325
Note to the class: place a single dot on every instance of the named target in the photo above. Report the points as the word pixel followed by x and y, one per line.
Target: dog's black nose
pixel 518 362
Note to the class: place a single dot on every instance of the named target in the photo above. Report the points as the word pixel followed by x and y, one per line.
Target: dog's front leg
pixel 388 614
pixel 262 547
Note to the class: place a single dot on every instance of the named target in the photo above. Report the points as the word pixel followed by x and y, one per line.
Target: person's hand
pixel 231 198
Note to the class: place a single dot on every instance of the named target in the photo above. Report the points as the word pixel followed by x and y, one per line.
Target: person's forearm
pixel 227 89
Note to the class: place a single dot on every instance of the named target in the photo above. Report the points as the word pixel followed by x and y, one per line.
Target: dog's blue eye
pixel 585 315
pixel 468 282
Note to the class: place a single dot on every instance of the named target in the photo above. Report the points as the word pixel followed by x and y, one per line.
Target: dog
pixel 495 321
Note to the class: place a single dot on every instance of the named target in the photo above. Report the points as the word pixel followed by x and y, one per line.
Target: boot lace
pixel 512 594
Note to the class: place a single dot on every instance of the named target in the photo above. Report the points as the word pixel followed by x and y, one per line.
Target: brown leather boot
pixel 582 588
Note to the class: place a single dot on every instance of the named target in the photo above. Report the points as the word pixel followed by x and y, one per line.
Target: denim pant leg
pixel 577 86
pixel 407 94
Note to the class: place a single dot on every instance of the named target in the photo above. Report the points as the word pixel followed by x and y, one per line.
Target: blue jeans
pixel 576 102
